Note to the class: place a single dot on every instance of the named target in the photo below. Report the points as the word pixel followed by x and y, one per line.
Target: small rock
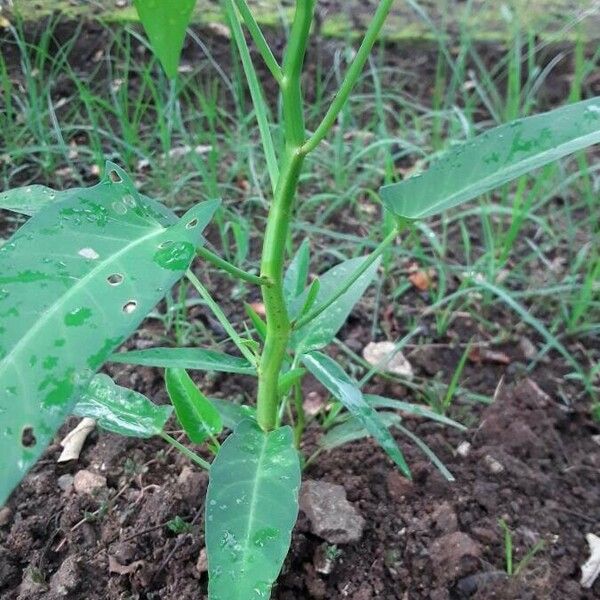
pixel 399 488
pixel 596 439
pixel 467 586
pixel 65 482
pixel 202 562
pixel 5 516
pixel 528 348
pixel 67 578
pixel 493 466
pixel 463 449
pixel 191 484
pixel 444 518
pixel 86 482
pixel 454 555
pixel 330 514
pixel 385 356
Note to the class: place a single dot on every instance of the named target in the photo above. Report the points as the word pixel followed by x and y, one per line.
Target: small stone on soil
pixel 66 579
pixel 331 516
pixel 399 488
pixel 202 562
pixel 86 482
pixel 5 516
pixel 463 449
pixel 493 466
pixel 454 555
pixel 65 482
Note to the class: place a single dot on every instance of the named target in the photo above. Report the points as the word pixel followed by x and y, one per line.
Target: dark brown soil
pixel 117 545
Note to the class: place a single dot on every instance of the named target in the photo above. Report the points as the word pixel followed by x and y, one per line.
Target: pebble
pixel 454 555
pixel 463 449
pixel 67 578
pixel 86 482
pixel 5 516
pixel 202 562
pixel 331 516
pixel 65 482
pixel 494 466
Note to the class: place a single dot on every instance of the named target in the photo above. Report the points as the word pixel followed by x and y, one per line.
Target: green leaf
pixel 165 23
pixel 259 324
pixel 121 410
pixel 233 414
pixel 75 281
pixel 197 415
pixel 321 331
pixel 411 409
pixel 352 430
pixel 495 158
pixel 251 508
pixel 30 199
pixel 296 274
pixel 194 359
pixel 333 378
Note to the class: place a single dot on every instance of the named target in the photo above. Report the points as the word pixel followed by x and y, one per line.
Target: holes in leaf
pixel 88 253
pixel 165 244
pixel 129 307
pixel 119 208
pixel 115 279
pixel 114 176
pixel 28 438
pixel 192 224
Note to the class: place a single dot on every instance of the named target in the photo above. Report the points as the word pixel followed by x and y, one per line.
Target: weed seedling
pixel 78 278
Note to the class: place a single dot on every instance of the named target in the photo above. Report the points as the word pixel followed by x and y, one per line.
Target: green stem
pixel 259 40
pixel 185 451
pixel 350 281
pixel 220 315
pixel 278 324
pixel 352 76
pixel 232 270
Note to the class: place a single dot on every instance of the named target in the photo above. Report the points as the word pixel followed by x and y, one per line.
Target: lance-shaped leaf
pixel 75 281
pixel 120 409
pixel 352 430
pixel 495 158
pixel 320 331
pixel 251 508
pixel 193 359
pixel 296 274
pixel 233 414
pixel 165 23
pixel 339 385
pixel 200 419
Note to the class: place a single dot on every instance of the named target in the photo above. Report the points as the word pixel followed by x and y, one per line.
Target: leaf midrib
pixel 253 503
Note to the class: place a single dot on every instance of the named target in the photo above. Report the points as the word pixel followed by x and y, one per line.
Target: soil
pixel 533 462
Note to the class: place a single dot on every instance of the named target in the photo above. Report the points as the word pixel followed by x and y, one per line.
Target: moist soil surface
pixel 528 459
pixel 531 462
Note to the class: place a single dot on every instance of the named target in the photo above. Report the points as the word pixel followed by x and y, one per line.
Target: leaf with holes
pixel 165 24
pixel 320 331
pixel 251 508
pixel 200 419
pixel 495 158
pixel 120 409
pixel 192 359
pixel 333 378
pixel 30 199
pixel 75 281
